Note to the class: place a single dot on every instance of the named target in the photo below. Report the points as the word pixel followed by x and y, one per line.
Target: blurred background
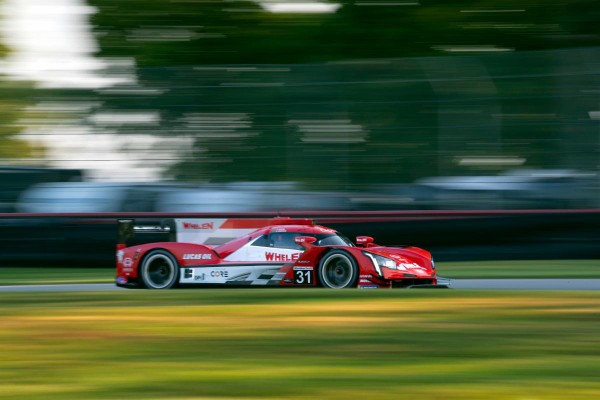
pixel 485 108
pixel 226 105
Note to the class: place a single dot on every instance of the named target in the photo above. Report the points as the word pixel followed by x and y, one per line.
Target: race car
pixel 274 252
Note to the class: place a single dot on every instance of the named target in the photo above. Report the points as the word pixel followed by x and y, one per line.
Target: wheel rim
pixel 159 271
pixel 338 271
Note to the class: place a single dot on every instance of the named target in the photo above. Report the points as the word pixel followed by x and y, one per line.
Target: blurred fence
pixel 379 121
pixel 339 125
pixel 88 240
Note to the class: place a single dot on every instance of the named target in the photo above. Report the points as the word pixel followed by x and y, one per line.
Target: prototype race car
pixel 274 252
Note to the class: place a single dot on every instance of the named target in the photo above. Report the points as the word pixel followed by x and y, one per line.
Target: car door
pixel 276 247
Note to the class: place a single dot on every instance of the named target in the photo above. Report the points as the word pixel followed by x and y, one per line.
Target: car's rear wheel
pixel 338 270
pixel 159 270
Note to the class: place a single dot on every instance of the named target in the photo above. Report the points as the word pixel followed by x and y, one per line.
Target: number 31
pixel 303 277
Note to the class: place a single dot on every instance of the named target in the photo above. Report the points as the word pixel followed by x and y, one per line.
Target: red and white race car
pixel 273 252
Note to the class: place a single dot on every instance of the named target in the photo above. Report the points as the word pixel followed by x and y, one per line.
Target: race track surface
pixel 527 284
pixel 494 284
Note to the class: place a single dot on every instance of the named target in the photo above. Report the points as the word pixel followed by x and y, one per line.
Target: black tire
pixel 338 270
pixel 159 270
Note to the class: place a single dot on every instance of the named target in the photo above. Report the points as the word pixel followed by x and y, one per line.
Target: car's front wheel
pixel 338 270
pixel 159 270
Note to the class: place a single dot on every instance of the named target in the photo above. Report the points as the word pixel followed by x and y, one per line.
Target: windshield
pixel 333 239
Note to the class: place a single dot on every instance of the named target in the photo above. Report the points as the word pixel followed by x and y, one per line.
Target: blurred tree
pixel 12 147
pixel 13 98
pixel 188 49
pixel 200 32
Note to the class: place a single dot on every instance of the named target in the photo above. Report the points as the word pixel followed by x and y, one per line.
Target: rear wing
pixel 206 231
pixel 131 232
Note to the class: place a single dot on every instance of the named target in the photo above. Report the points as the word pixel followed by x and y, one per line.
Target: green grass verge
pixel 49 276
pixel 299 344
pixel 521 269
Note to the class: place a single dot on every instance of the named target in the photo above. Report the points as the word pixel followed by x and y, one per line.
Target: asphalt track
pixel 483 284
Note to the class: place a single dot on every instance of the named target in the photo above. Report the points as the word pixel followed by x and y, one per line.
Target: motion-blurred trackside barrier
pixel 89 239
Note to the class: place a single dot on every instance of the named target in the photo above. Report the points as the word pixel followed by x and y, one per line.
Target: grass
pixel 299 344
pixel 49 276
pixel 463 269
pixel 521 269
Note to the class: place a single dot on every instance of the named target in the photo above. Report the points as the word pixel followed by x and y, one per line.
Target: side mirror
pixel 364 241
pixel 305 241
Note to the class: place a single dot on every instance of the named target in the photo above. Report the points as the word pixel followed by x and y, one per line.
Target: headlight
pixel 432 264
pixel 385 262
pixel 381 261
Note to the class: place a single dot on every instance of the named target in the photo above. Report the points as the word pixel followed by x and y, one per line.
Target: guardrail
pixel 89 239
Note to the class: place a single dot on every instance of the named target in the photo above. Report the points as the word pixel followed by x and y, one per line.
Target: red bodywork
pixel 248 261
